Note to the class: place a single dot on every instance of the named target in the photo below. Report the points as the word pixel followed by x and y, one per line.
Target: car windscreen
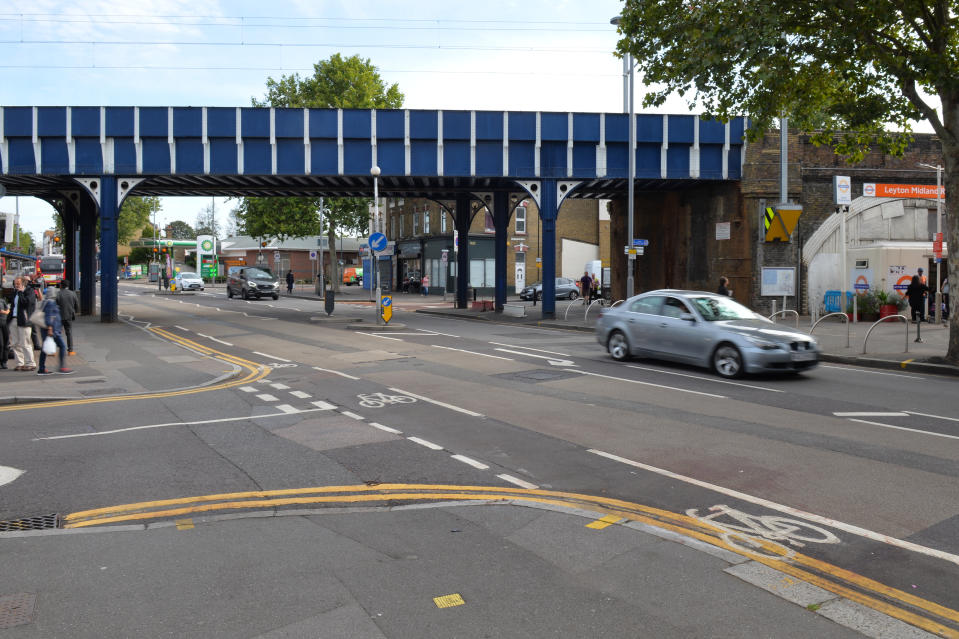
pixel 187 274
pixel 715 309
pixel 259 274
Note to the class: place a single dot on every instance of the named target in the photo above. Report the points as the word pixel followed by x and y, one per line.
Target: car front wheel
pixel 618 346
pixel 728 361
pixel 573 295
pixel 276 296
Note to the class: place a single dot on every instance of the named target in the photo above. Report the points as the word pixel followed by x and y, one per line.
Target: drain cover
pixel 16 610
pixel 41 522
pixel 538 375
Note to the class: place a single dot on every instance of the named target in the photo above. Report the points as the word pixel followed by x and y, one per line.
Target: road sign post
pixel 378 243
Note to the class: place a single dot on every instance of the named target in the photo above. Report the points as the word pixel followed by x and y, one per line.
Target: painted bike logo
pixel 379 400
pixel 761 534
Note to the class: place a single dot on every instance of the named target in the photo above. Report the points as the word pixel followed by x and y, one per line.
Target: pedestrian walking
pixel 586 286
pixel 723 287
pixel 4 330
pixel 54 330
pixel 69 307
pixel 916 292
pixel 23 304
pixel 425 284
pixel 35 286
pixel 945 298
pixel 289 281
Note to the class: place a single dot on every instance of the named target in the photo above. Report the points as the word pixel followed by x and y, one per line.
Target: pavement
pixel 448 569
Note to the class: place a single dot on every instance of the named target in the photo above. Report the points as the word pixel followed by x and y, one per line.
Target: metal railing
pixel 844 317
pixel 888 317
pixel 783 312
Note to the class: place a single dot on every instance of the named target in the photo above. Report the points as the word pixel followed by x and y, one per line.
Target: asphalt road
pixel 855 469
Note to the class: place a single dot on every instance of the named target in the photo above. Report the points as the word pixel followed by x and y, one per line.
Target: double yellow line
pixel 895 603
pixel 254 370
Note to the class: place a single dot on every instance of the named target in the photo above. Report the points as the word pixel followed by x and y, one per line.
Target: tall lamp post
pixel 938 168
pixel 629 107
pixel 375 282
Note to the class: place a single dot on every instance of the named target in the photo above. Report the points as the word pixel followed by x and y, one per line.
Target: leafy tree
pixel 180 230
pixel 851 71
pixel 132 220
pixel 348 83
pixel 206 223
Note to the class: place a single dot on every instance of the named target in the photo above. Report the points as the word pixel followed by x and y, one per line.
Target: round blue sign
pixel 377 241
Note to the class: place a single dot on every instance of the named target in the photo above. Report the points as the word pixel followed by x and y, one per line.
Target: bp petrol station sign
pixel 206 255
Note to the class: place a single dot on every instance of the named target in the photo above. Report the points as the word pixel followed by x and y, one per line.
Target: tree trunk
pixel 950 227
pixel 334 273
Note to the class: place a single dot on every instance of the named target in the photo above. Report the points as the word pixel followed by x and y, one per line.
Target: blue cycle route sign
pixel 378 242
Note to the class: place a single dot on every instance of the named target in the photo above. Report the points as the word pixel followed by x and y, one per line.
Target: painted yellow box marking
pixel 448 601
pixel 184 524
pixel 604 522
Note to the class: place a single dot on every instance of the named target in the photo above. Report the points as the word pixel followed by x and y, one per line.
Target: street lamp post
pixel 375 282
pixel 628 86
pixel 938 298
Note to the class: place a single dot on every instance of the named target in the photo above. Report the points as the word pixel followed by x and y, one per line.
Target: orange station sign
pixel 902 190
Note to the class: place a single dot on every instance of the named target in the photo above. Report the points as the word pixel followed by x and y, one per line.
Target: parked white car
pixel 188 281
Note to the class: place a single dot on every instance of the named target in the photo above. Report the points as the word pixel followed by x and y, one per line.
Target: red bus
pixel 52 268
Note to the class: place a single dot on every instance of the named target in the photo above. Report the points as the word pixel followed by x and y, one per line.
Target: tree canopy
pixel 856 74
pixel 180 230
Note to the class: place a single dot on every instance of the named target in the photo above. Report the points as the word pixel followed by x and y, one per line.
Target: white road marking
pixel 538 350
pixel 423 442
pixel 552 360
pixel 181 328
pixel 911 430
pixel 266 397
pixel 326 370
pixel 395 339
pixel 286 408
pixel 871 414
pixel 519 482
pixel 438 403
pixel 386 428
pixel 274 357
pixel 215 339
pixel 241 418
pixel 859 370
pixel 8 474
pixel 839 525
pixel 436 332
pixel 300 394
pixel 951 419
pixel 279 386
pixel 471 462
pixel 248 389
pixel 352 415
pixel 324 405
pixel 634 381
pixel 447 348
pixel 703 377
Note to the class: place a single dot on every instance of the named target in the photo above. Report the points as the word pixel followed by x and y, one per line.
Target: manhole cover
pixel 16 610
pixel 41 522
pixel 538 375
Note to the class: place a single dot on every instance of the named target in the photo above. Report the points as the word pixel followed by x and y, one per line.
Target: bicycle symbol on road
pixel 379 400
pixel 763 532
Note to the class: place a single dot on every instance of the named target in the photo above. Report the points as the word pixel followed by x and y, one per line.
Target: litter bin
pixel 328 301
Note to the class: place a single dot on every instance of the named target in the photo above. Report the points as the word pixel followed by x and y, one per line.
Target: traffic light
pixel 163 250
pixel 263 244
pixel 56 239
pixel 156 250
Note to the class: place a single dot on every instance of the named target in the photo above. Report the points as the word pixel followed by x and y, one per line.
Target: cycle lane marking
pixel 437 403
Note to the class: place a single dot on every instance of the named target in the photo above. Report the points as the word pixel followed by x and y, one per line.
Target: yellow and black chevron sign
pixel 781 221
pixel 768 218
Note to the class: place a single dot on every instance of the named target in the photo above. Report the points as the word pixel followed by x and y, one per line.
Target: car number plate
pixel 803 357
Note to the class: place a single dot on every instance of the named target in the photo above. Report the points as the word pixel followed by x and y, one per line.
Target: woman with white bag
pixel 54 339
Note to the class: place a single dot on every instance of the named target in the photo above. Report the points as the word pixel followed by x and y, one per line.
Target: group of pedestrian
pixel 919 294
pixel 588 287
pixel 24 330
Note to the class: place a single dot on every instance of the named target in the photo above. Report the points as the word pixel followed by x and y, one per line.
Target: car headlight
pixel 761 343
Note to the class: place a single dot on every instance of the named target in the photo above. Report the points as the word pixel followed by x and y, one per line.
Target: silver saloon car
pixel 703 329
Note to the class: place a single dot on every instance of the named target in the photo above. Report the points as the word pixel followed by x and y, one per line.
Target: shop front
pixel 409 266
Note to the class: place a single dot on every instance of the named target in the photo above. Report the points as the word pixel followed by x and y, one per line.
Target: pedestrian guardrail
pixel 888 317
pixel 844 317
pixel 600 301
pixel 616 302
pixel 783 312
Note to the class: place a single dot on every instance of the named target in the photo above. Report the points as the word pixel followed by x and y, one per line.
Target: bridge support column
pixel 462 219
pixel 109 210
pixel 87 254
pixel 501 224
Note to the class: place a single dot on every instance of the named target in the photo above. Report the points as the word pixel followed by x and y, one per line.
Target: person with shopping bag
pixel 54 338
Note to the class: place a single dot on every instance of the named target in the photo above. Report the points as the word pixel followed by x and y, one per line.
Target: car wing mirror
pixel 688 317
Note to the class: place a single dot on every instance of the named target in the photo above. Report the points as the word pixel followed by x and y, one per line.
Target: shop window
pixel 520 220
pixel 426 222
pixel 442 221
pixel 416 223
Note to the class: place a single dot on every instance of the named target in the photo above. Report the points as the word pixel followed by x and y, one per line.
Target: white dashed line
pixel 423 442
pixel 248 389
pixel 433 401
pixel 471 462
pixel 210 337
pixel 395 339
pixel 659 371
pixel 279 359
pixel 181 328
pixel 874 414
pixel 436 333
pixel 266 397
pixel 911 430
pixel 279 386
pixel 326 370
pixel 460 350
pixel 519 482
pixel 636 381
pixel 324 405
pixel 951 419
pixel 538 350
pixel 386 428
pixel 286 408
pixel 300 394
pixel 352 415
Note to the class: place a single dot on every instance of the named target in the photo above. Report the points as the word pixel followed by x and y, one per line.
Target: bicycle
pixel 763 532
pixel 379 400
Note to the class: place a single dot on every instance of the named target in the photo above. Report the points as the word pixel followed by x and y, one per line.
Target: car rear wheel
pixel 276 296
pixel 728 361
pixel 618 346
pixel 573 295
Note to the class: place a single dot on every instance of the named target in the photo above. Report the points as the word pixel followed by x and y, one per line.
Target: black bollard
pixel 534 297
pixel 328 302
